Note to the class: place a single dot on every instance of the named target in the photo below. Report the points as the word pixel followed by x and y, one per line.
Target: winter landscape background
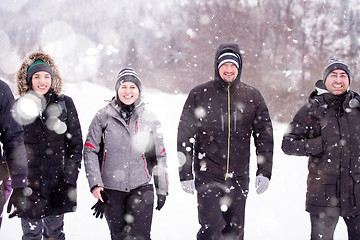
pixel 171 44
pixel 285 44
pixel 277 214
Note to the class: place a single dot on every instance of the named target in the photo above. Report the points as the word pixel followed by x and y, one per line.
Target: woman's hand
pixel 96 193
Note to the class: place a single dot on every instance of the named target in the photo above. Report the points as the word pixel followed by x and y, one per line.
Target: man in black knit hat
pixel 327 130
pixel 214 134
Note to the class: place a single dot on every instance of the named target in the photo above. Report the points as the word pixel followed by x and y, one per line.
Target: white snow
pixel 277 214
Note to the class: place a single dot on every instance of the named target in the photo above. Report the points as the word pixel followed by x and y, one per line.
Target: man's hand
pixel 261 184
pixel 18 200
pixel 188 186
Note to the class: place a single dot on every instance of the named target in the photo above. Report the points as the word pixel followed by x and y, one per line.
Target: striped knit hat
pixel 229 57
pixel 127 75
pixel 334 65
pixel 35 67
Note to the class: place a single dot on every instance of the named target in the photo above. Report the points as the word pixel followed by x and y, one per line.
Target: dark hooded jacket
pixel 13 157
pixel 54 155
pixel 216 125
pixel 327 130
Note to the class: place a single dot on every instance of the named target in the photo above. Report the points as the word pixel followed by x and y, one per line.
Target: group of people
pixel 125 158
pixel 124 154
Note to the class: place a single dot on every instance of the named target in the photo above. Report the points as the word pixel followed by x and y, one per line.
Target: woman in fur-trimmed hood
pixel 22 74
pixel 54 145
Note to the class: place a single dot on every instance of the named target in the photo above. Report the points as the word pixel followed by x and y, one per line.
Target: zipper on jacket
pixel 343 174
pixel 228 141
pixel 44 155
pixel 136 132
pixel 136 127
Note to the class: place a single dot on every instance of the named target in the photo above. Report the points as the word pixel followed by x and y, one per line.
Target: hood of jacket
pixel 23 87
pixel 227 47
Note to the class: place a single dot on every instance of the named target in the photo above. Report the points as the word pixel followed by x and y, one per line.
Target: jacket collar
pixel 139 105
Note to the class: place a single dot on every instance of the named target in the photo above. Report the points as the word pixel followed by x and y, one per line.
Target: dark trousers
pixel 221 209
pixel 50 228
pixel 129 214
pixel 323 227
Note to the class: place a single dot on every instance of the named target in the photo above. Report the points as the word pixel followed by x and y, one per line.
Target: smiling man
pixel 337 82
pixel 327 130
pixel 214 133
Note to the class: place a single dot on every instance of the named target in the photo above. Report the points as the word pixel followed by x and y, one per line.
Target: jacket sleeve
pixel 12 141
pixel 160 170
pixel 263 139
pixel 186 138
pixel 302 137
pixel 91 150
pixel 74 143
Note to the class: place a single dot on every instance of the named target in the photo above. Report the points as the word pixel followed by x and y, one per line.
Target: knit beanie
pixel 334 65
pixel 127 75
pixel 35 67
pixel 229 57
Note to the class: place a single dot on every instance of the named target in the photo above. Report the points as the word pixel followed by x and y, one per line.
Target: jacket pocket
pixel 145 166
pixel 322 191
pixel 102 160
pixel 356 188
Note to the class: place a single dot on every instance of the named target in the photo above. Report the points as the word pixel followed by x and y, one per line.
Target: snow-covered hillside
pixel 275 215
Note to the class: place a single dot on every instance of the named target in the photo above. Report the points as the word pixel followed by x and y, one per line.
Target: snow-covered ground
pixel 277 214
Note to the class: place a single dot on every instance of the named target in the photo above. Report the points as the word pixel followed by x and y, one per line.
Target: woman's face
pixel 128 93
pixel 41 82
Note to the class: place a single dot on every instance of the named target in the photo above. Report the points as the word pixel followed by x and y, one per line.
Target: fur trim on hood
pixel 56 81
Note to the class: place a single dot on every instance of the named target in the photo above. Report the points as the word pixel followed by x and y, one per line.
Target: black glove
pixel 59 195
pixel 99 207
pixel 160 201
pixel 17 199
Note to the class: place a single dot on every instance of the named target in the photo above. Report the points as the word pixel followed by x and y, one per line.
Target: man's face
pixel 337 82
pixel 228 72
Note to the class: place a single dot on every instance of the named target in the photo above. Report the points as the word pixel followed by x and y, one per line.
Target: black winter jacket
pixel 216 125
pixel 327 130
pixel 13 156
pixel 53 145
pixel 53 157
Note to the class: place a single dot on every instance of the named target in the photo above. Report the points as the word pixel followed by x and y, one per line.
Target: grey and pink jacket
pixel 125 165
